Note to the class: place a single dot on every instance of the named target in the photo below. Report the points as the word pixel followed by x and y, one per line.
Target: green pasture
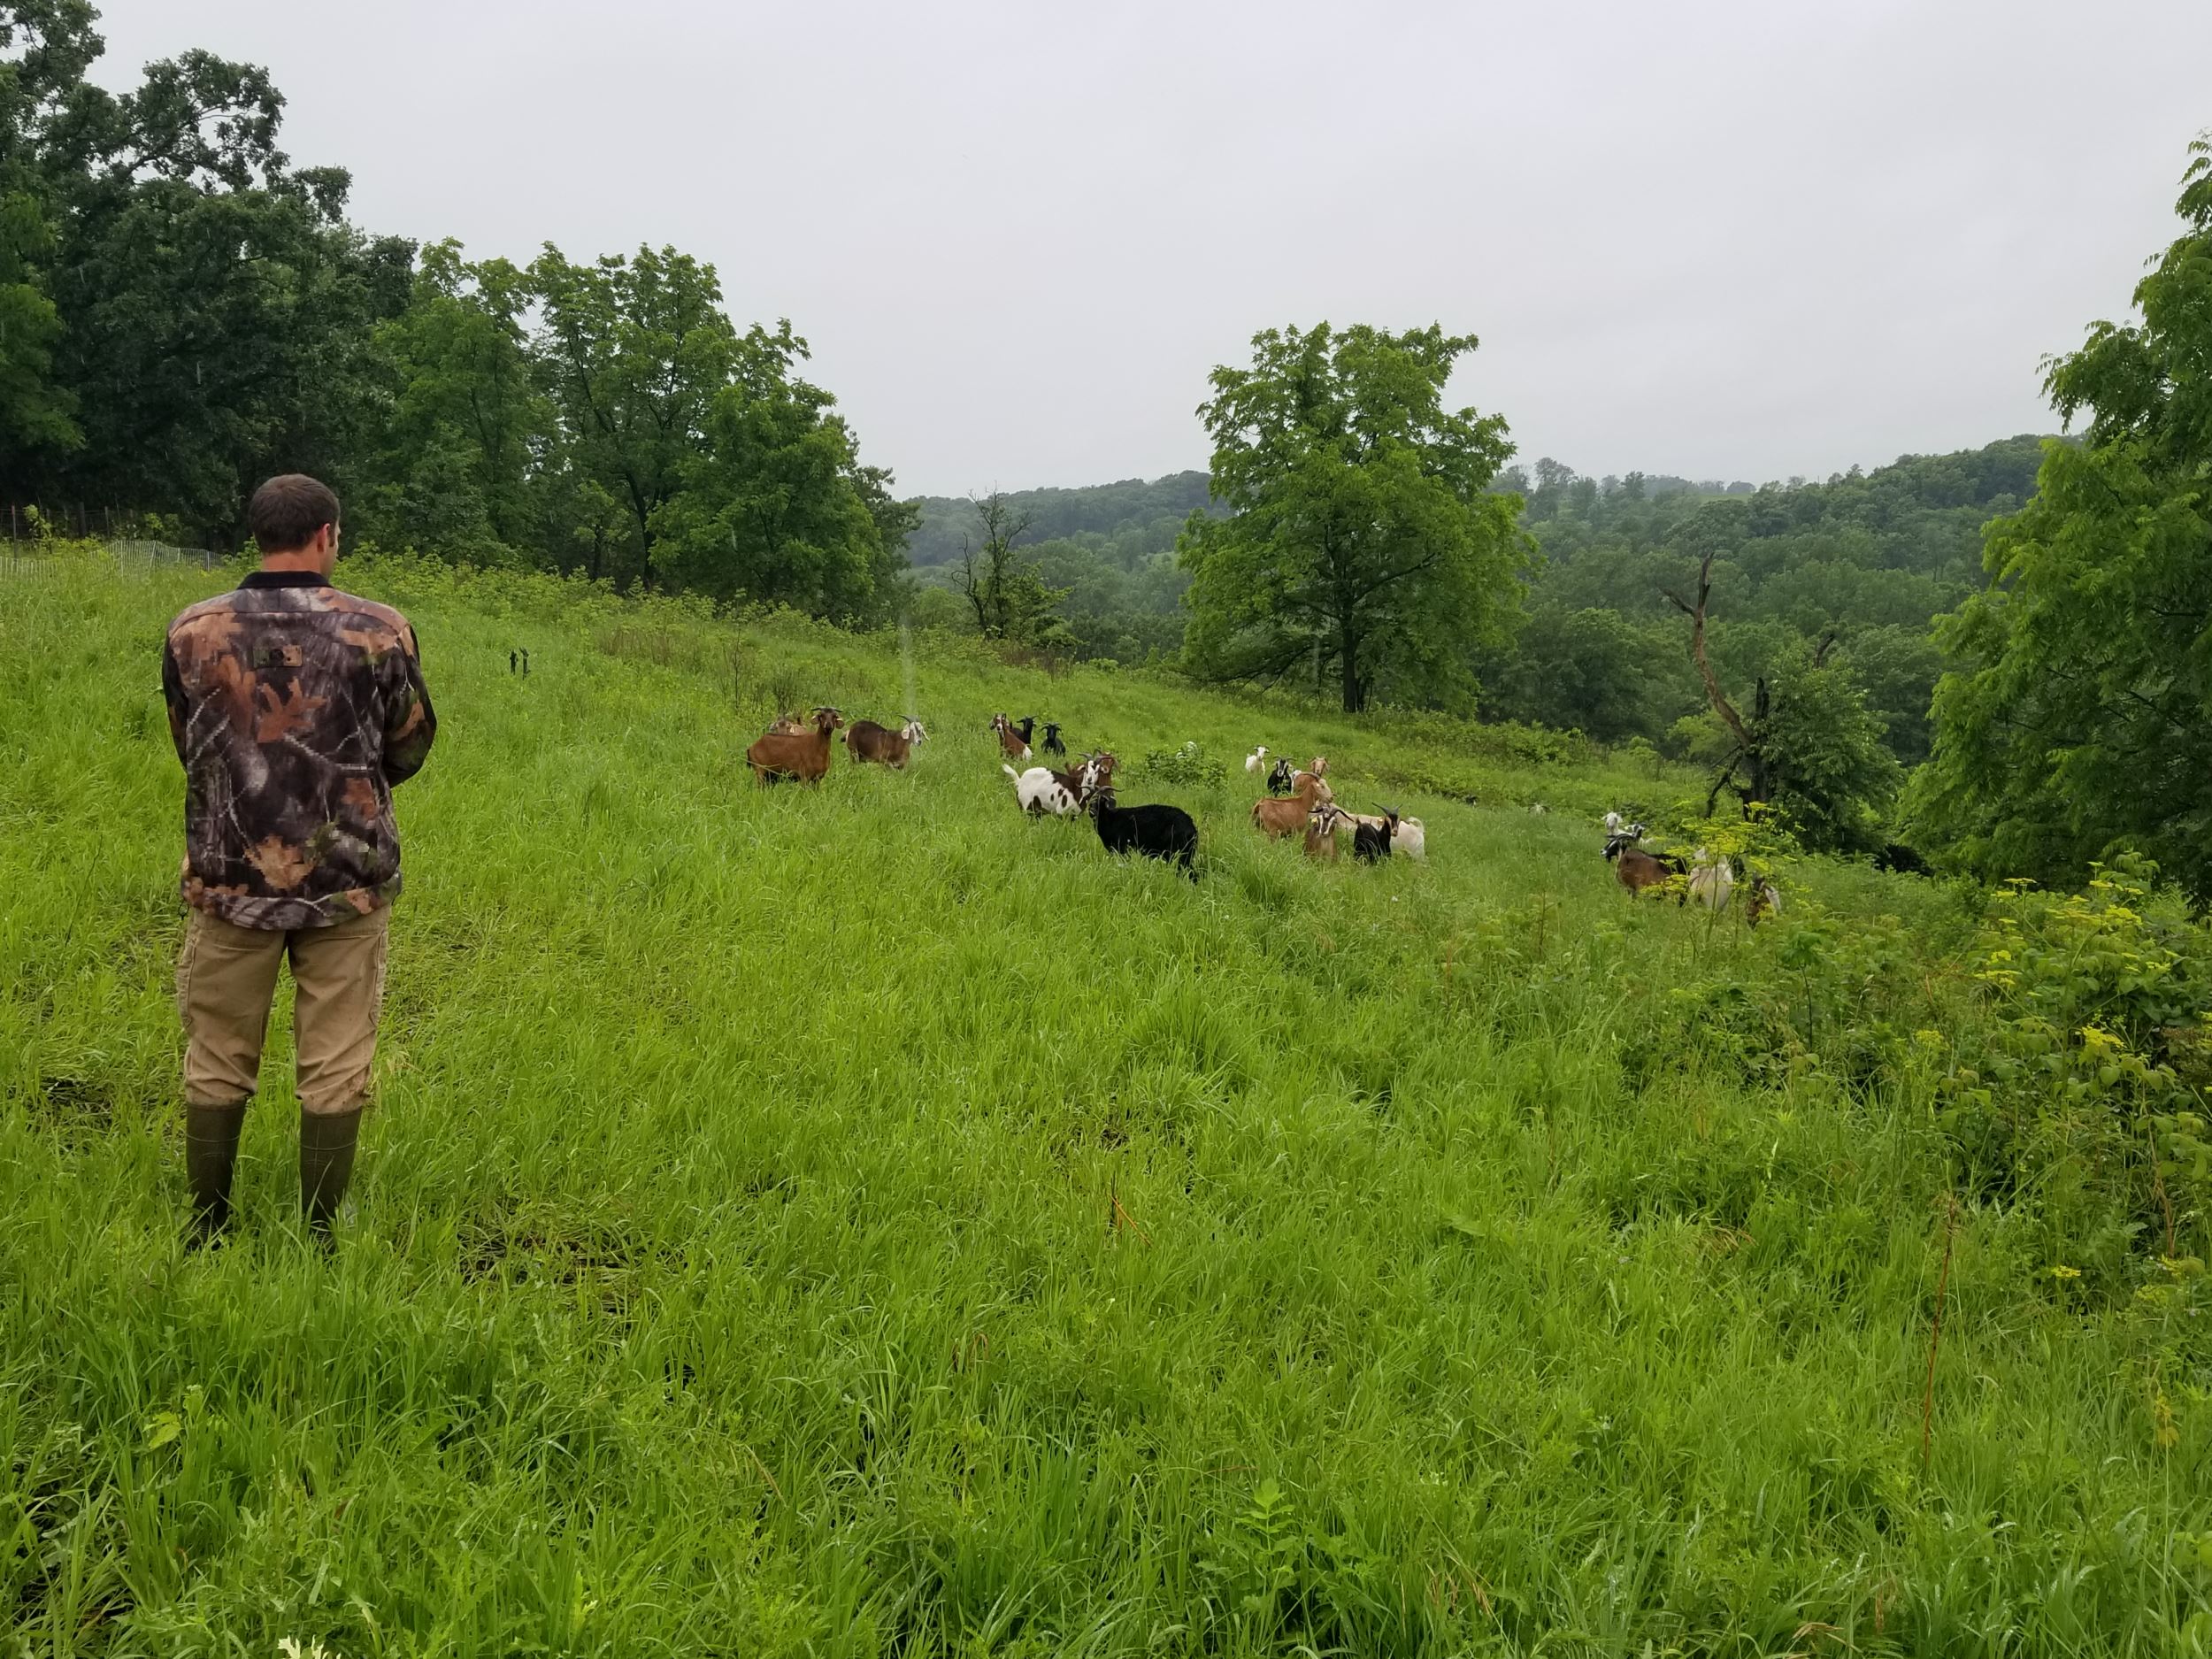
pixel 861 1221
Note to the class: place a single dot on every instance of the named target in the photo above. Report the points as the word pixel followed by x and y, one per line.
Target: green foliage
pixel 633 352
pixel 2075 721
pixel 1832 778
pixel 1590 670
pixel 1364 545
pixel 774 507
pixel 183 312
pixel 467 419
pixel 1425 1259
pixel 1869 557
pixel 1189 765
pixel 2087 1088
pixel 35 410
pixel 1124 522
pixel 1003 589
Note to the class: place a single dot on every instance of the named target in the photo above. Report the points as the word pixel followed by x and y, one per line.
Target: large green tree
pixel 635 352
pixel 773 504
pixel 198 309
pixel 2076 719
pixel 467 424
pixel 1364 544
pixel 44 48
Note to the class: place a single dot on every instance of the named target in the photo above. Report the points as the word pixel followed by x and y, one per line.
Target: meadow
pixel 858 1220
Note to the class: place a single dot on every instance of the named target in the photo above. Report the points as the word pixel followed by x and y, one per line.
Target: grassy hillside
pixel 861 1221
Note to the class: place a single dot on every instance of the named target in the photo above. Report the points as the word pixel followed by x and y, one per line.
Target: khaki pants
pixel 226 979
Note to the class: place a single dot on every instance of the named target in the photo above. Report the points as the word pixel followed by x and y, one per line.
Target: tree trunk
pixel 1348 652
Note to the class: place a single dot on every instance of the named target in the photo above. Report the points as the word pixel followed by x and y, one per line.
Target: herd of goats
pixel 1298 802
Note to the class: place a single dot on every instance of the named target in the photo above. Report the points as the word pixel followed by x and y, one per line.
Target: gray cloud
pixel 1738 239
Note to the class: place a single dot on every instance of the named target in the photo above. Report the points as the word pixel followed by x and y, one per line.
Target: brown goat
pixel 1321 826
pixel 1638 869
pixel 867 741
pixel 1277 815
pixel 1016 746
pixel 803 756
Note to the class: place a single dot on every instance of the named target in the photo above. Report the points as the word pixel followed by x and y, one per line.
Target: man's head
pixel 294 519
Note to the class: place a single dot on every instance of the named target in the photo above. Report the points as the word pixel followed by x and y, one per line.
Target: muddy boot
pixel 210 1153
pixel 326 1144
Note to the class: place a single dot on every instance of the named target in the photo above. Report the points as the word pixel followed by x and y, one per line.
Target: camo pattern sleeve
pixel 295 709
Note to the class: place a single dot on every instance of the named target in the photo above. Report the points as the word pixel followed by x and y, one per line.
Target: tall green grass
pixel 861 1221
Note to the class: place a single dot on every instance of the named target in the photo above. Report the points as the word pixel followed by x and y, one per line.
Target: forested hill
pixel 1868 557
pixel 1130 517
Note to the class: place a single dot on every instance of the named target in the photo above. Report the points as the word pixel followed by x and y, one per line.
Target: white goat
pixel 1256 761
pixel 1064 795
pixel 1711 881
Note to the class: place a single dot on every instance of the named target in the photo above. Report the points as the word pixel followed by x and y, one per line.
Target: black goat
pixel 1157 832
pixel 1370 841
pixel 1052 744
pixel 1901 859
pixel 1281 779
pixel 1024 725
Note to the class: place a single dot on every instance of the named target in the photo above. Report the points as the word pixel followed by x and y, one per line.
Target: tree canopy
pixel 183 311
pixel 1365 546
pixel 2073 723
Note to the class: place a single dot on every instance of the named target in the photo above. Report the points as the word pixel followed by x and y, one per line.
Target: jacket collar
pixel 285 578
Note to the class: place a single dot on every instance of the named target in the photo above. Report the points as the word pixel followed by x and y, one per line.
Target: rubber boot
pixel 326 1144
pixel 210 1155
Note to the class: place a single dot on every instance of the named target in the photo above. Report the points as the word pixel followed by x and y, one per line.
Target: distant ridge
pixel 1140 516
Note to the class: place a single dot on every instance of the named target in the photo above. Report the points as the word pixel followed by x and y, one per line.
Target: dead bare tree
pixel 1750 753
pixel 983 572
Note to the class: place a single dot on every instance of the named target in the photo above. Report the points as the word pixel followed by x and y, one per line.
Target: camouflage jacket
pixel 294 709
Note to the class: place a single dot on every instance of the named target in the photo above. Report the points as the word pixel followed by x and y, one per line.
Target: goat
pixel 790 725
pixel 867 741
pixel 1278 778
pixel 1321 827
pixel 1156 831
pixel 1899 859
pixel 1015 745
pixel 1410 837
pixel 1052 743
pixel 1372 841
pixel 1637 869
pixel 1061 794
pixel 1537 808
pixel 803 756
pixel 1256 760
pixel 1613 822
pixel 1276 819
pixel 1765 899
pixel 1712 883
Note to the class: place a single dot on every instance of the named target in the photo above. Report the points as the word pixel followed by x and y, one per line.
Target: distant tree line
pixel 183 311
pixel 1862 563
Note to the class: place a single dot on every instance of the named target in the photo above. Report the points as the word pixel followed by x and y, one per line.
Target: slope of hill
pixel 859 1220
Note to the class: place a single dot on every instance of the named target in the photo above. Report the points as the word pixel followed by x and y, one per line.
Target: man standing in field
pixel 295 709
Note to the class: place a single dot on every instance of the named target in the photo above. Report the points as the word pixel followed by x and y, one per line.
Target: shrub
pixel 1186 765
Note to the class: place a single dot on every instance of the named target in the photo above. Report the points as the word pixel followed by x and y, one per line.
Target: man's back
pixel 294 709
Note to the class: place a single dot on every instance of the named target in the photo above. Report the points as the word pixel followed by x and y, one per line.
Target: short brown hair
pixel 285 511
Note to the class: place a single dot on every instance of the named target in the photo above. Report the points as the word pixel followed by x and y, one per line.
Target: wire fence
pixel 131 557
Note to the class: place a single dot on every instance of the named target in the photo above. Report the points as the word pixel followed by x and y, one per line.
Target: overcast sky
pixel 1732 239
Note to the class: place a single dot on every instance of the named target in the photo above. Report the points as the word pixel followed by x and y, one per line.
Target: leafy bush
pixel 1187 765
pixel 2083 1089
